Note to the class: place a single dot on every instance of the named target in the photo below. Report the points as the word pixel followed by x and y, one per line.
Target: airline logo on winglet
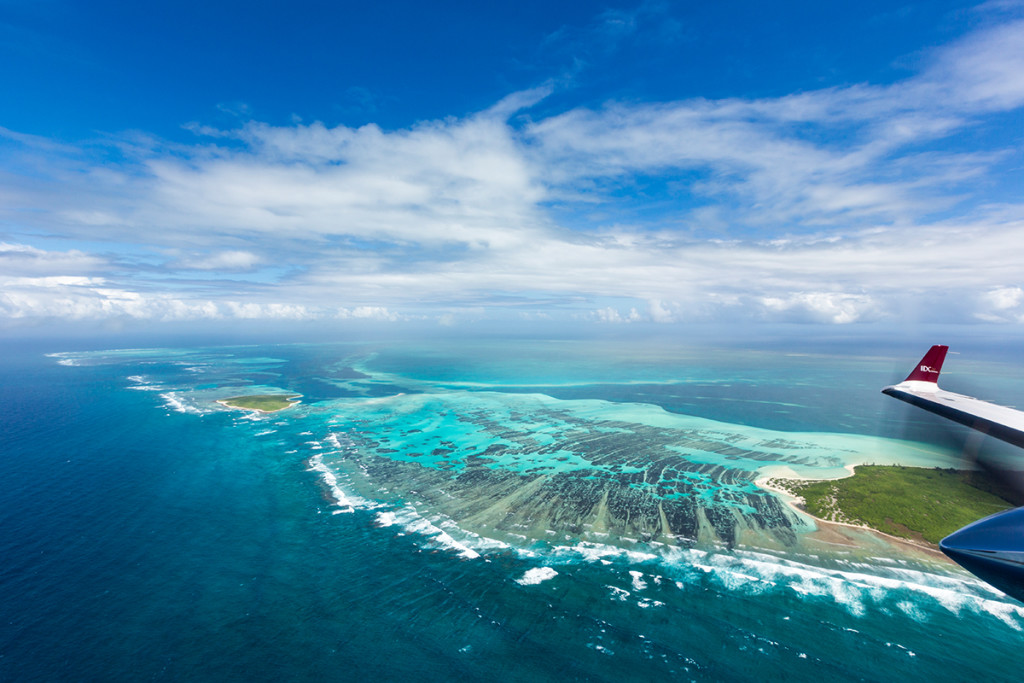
pixel 928 368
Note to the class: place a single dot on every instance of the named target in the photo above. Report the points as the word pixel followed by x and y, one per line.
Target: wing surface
pixel 921 388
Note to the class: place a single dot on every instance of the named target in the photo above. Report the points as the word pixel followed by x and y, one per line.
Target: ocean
pixel 470 510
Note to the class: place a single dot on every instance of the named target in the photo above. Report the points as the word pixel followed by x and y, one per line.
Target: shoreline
pixel 833 527
pixel 224 402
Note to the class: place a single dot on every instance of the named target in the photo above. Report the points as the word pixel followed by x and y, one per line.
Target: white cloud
pixel 832 156
pixel 462 181
pixel 983 71
pixel 613 315
pixel 369 313
pixel 1001 305
pixel 661 311
pixel 22 259
pixel 1004 298
pixel 272 311
pixel 834 205
pixel 82 298
pixel 827 307
pixel 71 298
pixel 223 261
pixel 51 281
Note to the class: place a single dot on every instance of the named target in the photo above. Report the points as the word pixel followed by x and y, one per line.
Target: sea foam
pixel 176 402
pixel 532 577
pixel 344 501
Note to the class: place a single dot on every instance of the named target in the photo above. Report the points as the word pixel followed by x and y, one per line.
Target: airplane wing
pixel 921 388
pixel 992 548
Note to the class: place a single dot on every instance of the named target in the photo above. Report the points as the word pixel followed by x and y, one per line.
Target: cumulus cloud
pixel 613 315
pixel 1001 305
pixel 272 311
pixel 86 298
pixel 81 298
pixel 368 313
pixel 662 311
pixel 828 307
pixel 1004 298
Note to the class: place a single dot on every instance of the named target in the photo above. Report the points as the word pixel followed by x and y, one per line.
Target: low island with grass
pixel 918 504
pixel 264 403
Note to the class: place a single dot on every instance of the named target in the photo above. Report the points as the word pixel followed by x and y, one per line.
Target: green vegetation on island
pixel 266 403
pixel 909 502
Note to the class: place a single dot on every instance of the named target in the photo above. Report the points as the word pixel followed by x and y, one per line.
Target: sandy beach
pixel 843 533
pixel 224 402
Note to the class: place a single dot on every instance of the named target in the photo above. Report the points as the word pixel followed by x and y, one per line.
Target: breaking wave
pixel 179 404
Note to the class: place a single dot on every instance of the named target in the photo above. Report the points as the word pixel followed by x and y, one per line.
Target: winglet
pixel 930 366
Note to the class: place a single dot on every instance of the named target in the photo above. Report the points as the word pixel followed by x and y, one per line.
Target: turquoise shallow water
pixel 149 533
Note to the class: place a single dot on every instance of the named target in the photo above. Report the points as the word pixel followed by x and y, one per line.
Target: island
pixel 913 503
pixel 263 403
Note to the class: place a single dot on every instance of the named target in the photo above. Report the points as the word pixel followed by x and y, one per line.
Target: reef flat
pixel 531 468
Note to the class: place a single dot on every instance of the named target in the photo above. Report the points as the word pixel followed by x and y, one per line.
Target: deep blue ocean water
pixel 148 533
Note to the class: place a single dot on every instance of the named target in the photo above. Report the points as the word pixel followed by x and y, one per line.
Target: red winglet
pixel 930 366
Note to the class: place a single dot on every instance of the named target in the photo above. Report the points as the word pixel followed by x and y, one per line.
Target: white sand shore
pixel 293 401
pixel 831 530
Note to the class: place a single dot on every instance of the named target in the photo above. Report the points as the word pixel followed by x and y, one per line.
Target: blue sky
pixel 457 163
